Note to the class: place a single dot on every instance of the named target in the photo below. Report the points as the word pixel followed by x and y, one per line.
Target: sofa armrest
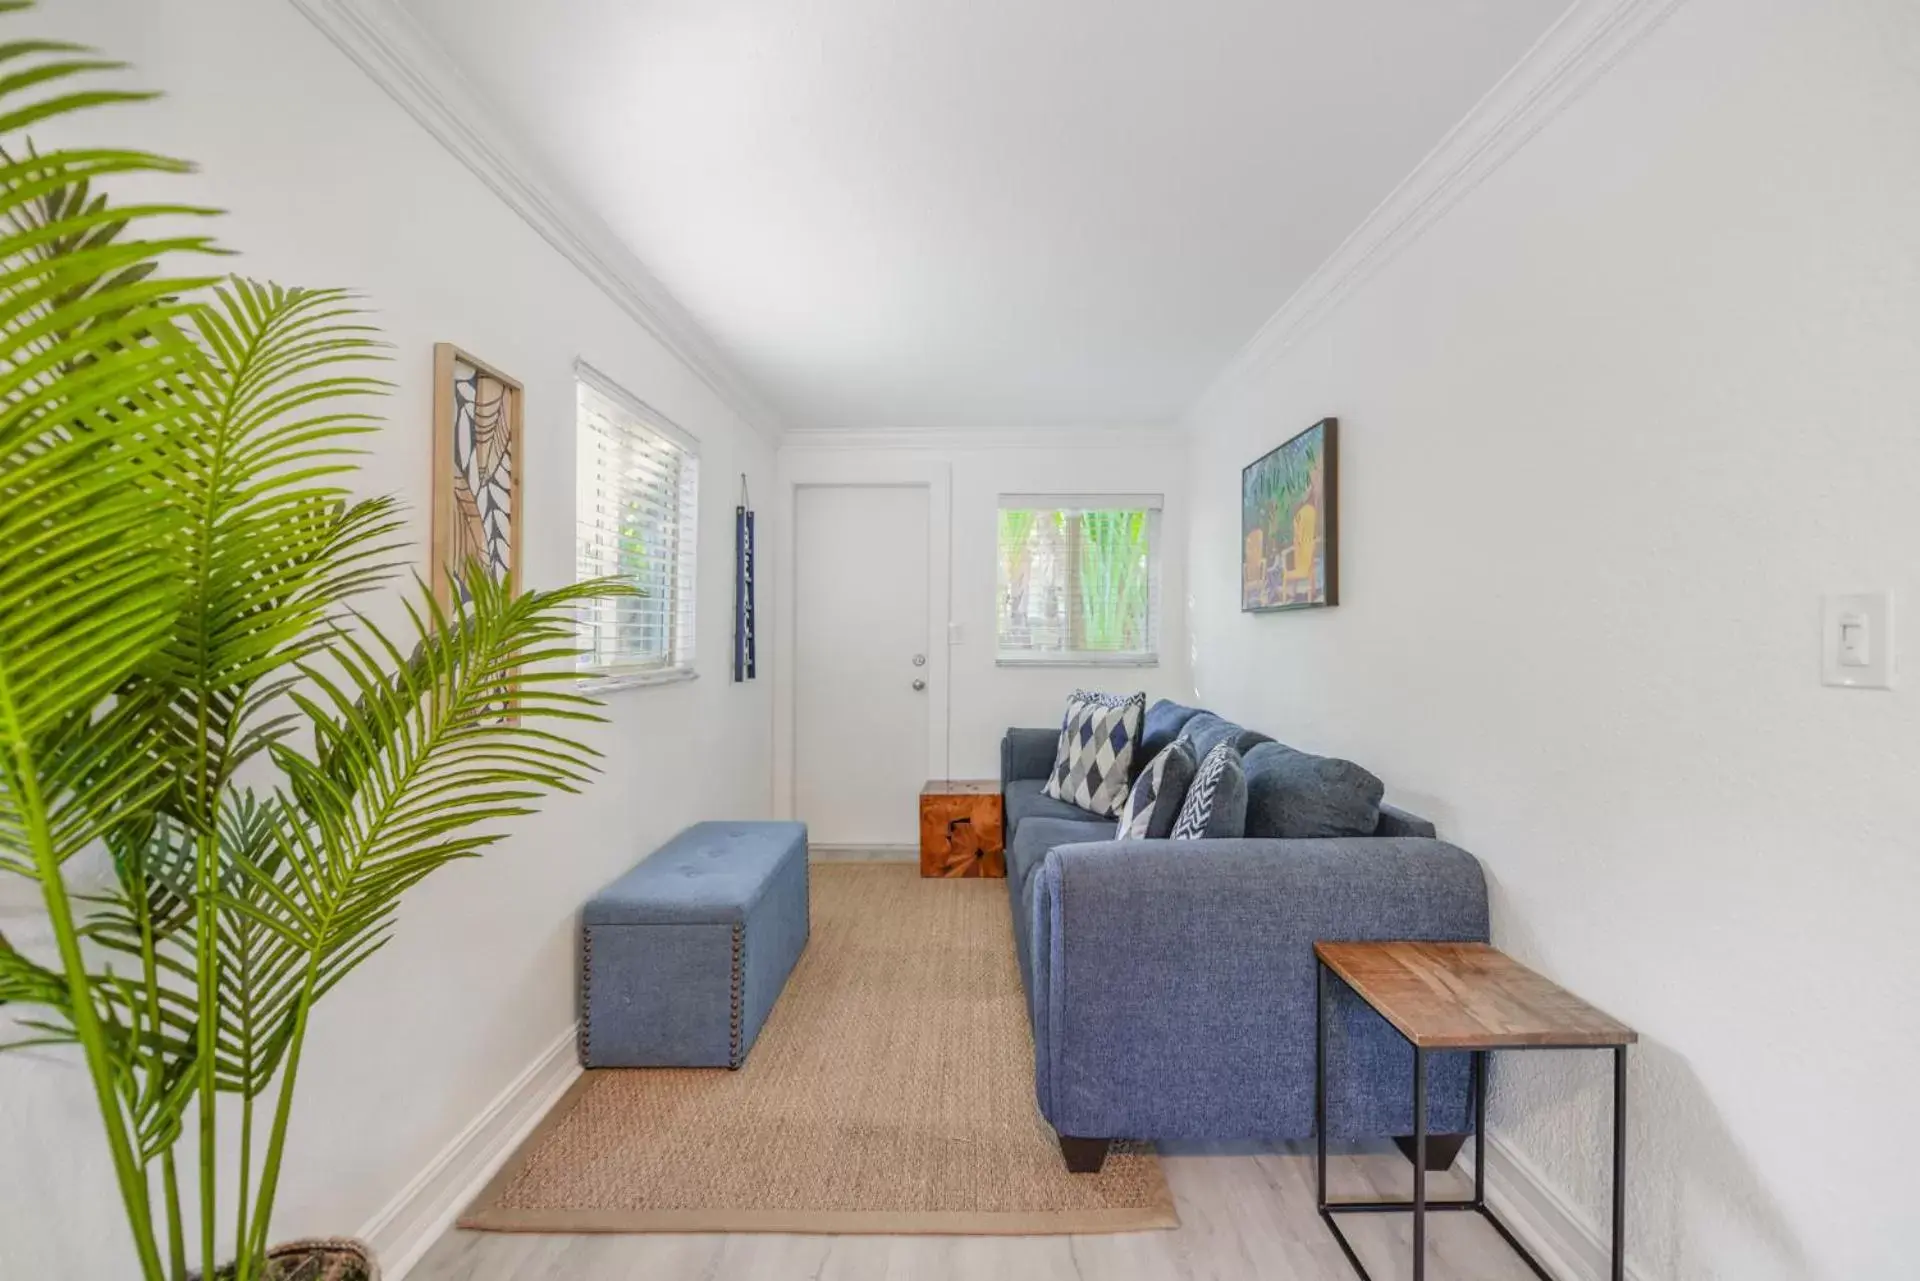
pixel 1027 753
pixel 1173 987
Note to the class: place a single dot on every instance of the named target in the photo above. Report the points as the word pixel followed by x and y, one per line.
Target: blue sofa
pixel 1171 983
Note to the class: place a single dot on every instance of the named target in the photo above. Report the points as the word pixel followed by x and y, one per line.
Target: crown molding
pixel 946 439
pixel 1586 43
pixel 390 46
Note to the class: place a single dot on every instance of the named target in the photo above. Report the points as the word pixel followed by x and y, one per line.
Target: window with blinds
pixel 638 506
pixel 1079 579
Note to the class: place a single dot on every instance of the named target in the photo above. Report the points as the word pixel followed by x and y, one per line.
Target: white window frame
pixel 624 412
pixel 1154 505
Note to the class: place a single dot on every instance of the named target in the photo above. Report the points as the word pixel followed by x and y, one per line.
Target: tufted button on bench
pixel 683 957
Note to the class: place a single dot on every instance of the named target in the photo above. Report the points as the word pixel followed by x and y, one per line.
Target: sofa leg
pixel 1441 1149
pixel 1084 1156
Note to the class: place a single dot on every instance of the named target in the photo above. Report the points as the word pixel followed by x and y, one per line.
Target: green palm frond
pixel 414 762
pixel 93 369
pixel 420 755
pixel 267 541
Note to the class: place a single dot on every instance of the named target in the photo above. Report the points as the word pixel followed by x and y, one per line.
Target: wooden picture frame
pixel 1289 524
pixel 477 441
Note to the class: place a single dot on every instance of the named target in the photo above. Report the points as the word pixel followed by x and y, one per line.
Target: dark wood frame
pixel 1330 534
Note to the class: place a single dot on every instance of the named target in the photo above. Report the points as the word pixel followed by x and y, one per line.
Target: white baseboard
pixel 409 1224
pixel 1560 1236
pixel 864 853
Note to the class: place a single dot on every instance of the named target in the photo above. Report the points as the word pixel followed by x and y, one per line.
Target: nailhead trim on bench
pixel 734 1057
pixel 586 992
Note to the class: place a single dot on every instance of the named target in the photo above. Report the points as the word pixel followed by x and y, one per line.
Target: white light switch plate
pixel 1856 640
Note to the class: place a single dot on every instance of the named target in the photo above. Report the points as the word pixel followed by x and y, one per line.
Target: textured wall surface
pixel 329 182
pixel 1610 429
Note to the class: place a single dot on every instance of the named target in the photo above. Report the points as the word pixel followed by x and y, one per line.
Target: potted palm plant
pixel 187 696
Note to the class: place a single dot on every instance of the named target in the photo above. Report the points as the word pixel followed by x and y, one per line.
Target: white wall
pixel 1609 430
pixel 330 183
pixel 983 700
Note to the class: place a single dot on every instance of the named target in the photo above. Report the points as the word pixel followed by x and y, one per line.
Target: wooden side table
pixel 1461 996
pixel 960 828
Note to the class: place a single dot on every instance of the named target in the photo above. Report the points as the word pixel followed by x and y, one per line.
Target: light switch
pixel 1856 644
pixel 1856 641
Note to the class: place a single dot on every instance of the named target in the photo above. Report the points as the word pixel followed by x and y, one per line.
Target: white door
pixel 861 674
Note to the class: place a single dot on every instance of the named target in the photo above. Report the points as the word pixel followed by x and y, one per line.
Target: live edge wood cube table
pixel 1461 996
pixel 960 828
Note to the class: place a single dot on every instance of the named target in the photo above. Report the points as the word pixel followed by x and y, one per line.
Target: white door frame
pixel 834 468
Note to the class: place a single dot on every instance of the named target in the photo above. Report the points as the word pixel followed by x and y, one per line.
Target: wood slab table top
pixel 1468 996
pixel 961 787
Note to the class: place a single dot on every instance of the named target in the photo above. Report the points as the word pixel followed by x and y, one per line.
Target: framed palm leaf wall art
pixel 1289 527
pixel 476 471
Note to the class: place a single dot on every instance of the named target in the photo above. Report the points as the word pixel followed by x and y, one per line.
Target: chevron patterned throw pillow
pixel 1216 804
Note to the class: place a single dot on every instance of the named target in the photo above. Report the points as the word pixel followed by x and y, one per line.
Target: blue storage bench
pixel 683 957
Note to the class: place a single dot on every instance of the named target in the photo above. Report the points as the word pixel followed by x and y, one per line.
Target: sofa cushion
pixel 1216 804
pixel 1154 803
pixel 1025 853
pixel 1093 765
pixel 1026 798
pixel 1030 847
pixel 1163 723
pixel 1293 795
pixel 1205 731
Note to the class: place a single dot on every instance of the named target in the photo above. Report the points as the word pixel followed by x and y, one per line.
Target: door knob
pixel 918 683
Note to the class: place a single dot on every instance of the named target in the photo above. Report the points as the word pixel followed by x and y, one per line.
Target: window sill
pixel 634 680
pixel 1077 660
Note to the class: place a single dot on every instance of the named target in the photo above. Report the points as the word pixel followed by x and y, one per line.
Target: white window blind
pixel 1079 578
pixel 638 504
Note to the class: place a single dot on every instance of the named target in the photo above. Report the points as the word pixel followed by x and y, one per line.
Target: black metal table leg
pixel 1619 1163
pixel 1480 1129
pixel 1320 1081
pixel 1419 1164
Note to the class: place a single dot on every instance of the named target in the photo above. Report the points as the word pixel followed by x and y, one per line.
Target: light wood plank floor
pixel 1245 1213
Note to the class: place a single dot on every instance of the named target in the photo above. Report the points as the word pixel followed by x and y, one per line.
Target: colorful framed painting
pixel 1289 526
pixel 477 472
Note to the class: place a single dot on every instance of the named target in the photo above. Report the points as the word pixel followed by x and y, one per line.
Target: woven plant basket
pixel 327 1259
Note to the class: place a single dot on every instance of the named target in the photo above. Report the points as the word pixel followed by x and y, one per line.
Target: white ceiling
pixel 982 213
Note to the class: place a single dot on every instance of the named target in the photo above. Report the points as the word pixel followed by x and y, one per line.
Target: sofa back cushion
pixel 1207 731
pixel 1163 723
pixel 1293 795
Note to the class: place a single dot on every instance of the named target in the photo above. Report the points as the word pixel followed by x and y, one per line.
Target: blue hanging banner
pixel 743 649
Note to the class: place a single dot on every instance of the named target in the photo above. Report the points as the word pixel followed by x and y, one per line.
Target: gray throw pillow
pixel 1154 803
pixel 1294 795
pixel 1216 804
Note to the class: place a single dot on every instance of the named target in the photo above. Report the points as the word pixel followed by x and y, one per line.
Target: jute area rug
pixel 891 1091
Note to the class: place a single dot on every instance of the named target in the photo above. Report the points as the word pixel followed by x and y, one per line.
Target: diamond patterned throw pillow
pixel 1093 765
